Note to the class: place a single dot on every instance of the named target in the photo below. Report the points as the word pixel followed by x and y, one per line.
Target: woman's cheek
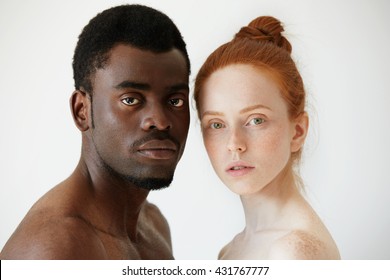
pixel 214 148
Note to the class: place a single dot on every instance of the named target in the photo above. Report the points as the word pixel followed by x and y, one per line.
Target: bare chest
pixel 152 248
pixel 149 245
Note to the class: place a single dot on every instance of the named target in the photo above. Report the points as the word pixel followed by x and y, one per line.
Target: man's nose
pixel 156 117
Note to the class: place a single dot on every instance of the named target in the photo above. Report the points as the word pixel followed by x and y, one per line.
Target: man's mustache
pixel 156 135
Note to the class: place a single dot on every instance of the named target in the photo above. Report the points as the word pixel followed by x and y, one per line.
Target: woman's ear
pixel 300 128
pixel 80 107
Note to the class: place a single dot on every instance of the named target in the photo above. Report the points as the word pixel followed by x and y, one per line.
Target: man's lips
pixel 158 149
pixel 239 168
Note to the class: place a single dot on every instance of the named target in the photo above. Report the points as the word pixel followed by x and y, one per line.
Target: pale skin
pixel 250 137
pixel 96 214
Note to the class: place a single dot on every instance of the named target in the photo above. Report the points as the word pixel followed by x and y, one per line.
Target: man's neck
pixel 116 204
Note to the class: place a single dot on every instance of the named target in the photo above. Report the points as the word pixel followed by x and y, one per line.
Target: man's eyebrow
pixel 134 85
pixel 179 87
pixel 253 107
pixel 144 86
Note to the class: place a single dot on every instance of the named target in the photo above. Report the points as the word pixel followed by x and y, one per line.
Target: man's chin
pixel 149 182
pixel 155 178
pixel 152 183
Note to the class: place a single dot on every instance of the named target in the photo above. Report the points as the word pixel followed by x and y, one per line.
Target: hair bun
pixel 265 28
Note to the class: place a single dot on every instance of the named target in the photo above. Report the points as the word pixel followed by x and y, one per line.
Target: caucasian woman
pixel 250 99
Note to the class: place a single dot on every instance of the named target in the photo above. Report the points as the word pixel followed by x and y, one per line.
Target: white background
pixel 342 50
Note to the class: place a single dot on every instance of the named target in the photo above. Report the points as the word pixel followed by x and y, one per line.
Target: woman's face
pixel 246 128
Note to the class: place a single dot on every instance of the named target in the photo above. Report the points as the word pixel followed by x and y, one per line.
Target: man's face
pixel 140 115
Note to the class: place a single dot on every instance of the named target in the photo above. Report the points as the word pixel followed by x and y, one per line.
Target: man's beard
pixel 144 183
pixel 138 179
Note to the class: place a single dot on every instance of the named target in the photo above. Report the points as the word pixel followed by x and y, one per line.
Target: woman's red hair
pixel 262 45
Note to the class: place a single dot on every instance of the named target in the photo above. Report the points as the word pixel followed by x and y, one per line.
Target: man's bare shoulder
pixel 157 222
pixel 153 213
pixel 42 235
pixel 300 245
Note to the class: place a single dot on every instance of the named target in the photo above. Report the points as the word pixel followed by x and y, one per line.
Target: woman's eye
pixel 256 121
pixel 216 125
pixel 176 102
pixel 130 101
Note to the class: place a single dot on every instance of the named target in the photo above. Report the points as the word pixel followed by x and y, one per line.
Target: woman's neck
pixel 267 208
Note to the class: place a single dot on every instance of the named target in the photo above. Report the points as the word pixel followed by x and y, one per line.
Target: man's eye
pixel 176 102
pixel 130 101
pixel 216 125
pixel 256 121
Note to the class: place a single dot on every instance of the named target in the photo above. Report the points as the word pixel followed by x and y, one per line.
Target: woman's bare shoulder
pixel 303 245
pixel 223 251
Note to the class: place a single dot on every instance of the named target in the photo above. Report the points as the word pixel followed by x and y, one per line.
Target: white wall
pixel 342 49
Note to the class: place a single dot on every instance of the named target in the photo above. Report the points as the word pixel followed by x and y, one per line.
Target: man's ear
pixel 301 126
pixel 80 107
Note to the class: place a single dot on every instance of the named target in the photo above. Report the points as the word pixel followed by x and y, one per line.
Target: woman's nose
pixel 236 142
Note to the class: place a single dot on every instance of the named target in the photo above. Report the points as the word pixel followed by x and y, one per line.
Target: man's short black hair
pixel 136 25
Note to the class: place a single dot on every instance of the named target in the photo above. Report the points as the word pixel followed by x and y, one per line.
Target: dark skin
pixel 133 128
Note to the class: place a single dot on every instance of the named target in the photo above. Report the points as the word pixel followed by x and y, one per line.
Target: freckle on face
pixel 267 146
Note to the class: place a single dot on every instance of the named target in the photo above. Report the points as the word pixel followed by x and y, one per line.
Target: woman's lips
pixel 158 149
pixel 239 168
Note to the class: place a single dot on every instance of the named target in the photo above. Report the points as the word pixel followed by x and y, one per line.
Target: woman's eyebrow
pixel 253 107
pixel 242 111
pixel 211 113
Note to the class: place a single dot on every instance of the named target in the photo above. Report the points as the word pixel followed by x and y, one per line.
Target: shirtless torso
pixel 74 222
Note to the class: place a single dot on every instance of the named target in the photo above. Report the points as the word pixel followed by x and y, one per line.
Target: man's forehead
pixel 128 53
pixel 130 67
